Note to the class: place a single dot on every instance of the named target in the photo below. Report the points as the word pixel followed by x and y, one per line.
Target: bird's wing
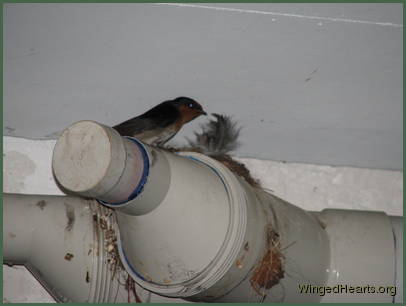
pixel 161 116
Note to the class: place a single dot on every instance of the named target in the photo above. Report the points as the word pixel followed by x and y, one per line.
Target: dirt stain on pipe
pixel 68 256
pixel 70 215
pixel 41 204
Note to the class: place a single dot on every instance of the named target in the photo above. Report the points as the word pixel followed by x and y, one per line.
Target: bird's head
pixel 188 108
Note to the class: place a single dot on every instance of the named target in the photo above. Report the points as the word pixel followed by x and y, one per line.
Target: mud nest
pixel 269 270
pixel 233 165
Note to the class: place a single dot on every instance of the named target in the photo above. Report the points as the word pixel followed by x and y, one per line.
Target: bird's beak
pixel 202 112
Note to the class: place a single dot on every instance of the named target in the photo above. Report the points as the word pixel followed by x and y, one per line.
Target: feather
pixel 217 139
pixel 218 136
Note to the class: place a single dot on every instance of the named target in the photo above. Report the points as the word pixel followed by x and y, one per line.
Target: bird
pixel 162 122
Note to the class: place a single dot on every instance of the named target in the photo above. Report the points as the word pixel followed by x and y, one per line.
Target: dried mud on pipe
pixel 105 223
pixel 269 270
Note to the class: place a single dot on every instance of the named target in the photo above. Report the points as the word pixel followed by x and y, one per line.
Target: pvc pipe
pixel 195 230
pixel 397 226
pixel 37 242
pixel 202 229
pixel 93 160
pixel 64 242
pixel 97 162
pixel 362 255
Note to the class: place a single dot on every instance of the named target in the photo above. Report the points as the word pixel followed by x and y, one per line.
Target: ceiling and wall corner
pixel 309 83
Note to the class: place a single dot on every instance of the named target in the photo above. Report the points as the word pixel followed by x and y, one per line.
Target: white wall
pixel 310 83
pixel 27 169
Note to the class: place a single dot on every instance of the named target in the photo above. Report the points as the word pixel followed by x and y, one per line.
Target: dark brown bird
pixel 161 123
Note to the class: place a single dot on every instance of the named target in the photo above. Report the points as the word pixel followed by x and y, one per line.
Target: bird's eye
pixel 190 105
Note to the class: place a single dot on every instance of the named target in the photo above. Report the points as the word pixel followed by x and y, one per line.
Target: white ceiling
pixel 313 83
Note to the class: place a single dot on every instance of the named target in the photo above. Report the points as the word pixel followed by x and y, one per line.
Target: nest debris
pixel 269 270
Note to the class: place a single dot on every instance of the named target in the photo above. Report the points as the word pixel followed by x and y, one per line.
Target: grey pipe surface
pixel 191 228
pixel 397 225
pixel 66 242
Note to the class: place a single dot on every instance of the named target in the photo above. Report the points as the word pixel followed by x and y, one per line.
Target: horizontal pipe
pixel 66 243
pixel 362 254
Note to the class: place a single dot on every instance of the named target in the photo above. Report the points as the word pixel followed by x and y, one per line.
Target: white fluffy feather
pixel 218 136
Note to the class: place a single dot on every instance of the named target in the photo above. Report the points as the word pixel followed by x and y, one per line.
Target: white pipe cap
pixel 89 159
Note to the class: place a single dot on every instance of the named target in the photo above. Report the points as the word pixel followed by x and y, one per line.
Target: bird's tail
pixel 218 136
